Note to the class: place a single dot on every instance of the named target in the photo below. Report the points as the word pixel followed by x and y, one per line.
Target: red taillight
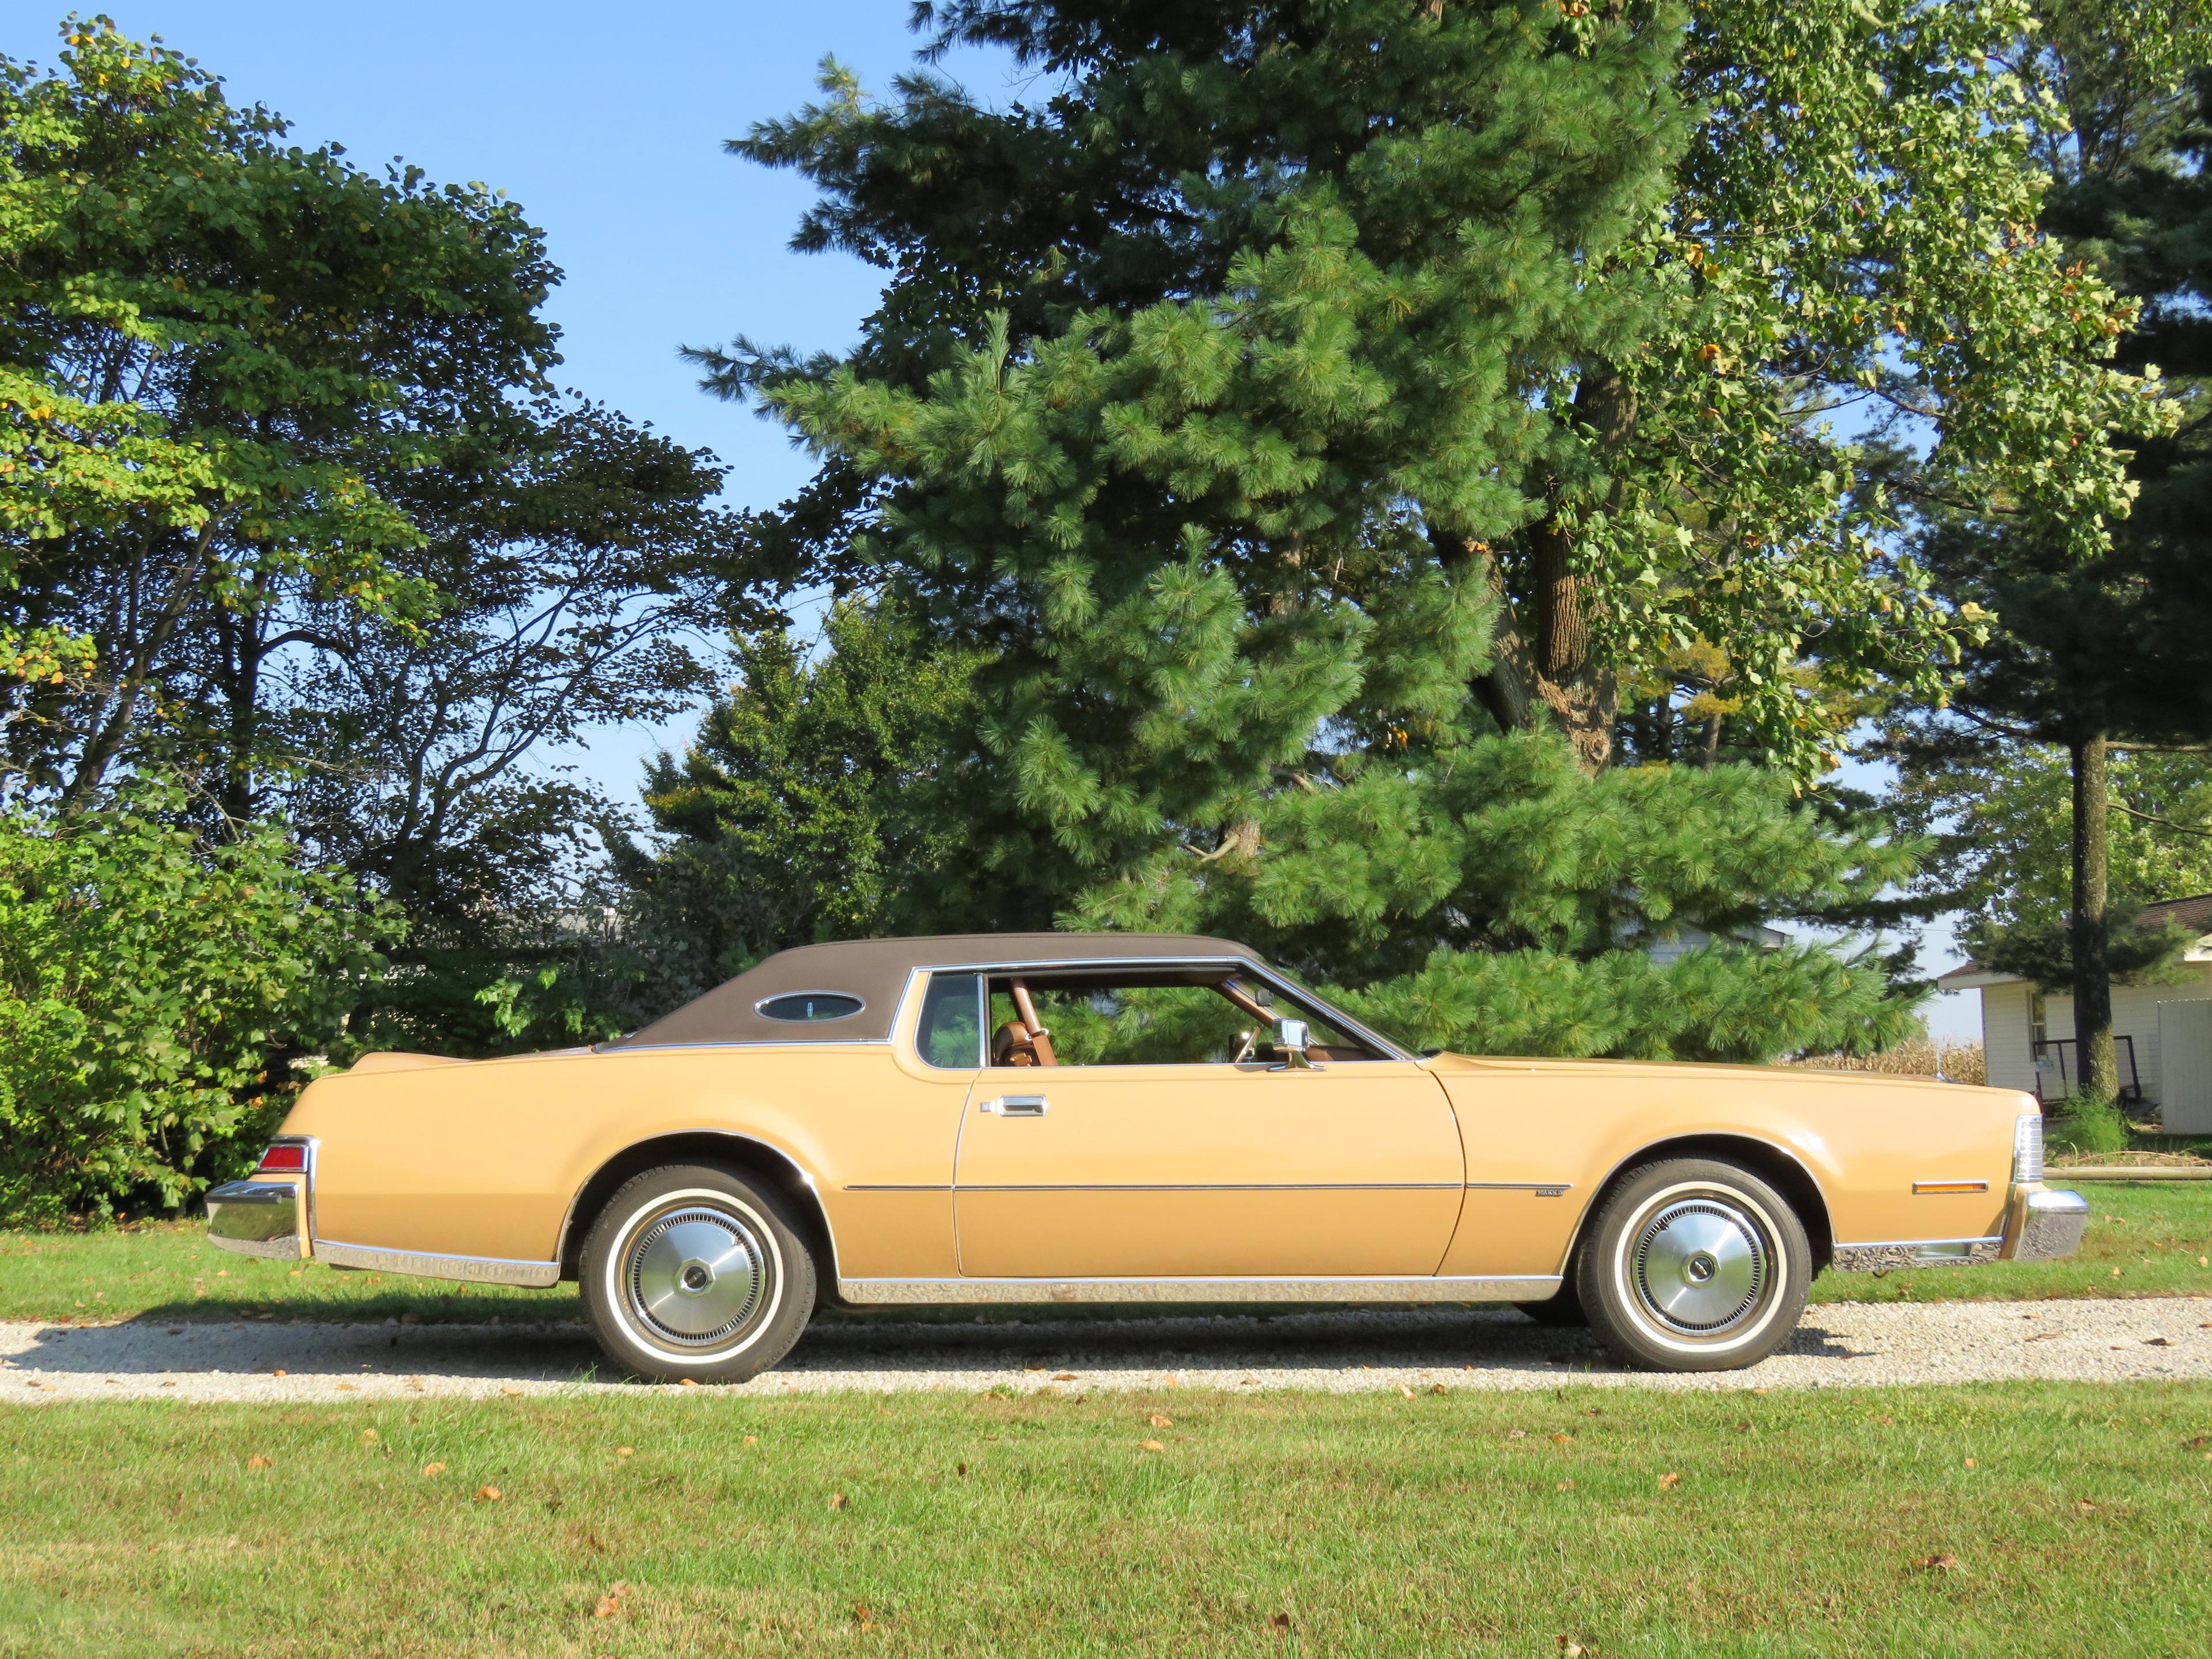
pixel 282 1160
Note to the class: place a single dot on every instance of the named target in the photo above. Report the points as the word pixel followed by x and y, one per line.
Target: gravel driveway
pixel 1846 1346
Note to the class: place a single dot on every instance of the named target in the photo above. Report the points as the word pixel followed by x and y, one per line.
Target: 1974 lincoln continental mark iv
pixel 1063 1117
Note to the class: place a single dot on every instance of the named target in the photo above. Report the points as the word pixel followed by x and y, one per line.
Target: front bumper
pixel 2044 1223
pixel 259 1217
pixel 2041 1224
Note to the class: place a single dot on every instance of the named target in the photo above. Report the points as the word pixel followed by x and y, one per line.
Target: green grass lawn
pixel 2044 1518
pixel 2146 1238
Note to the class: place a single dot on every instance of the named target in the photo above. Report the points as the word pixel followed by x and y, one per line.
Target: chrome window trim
pixel 859 1006
pixel 754 1043
pixel 1530 1287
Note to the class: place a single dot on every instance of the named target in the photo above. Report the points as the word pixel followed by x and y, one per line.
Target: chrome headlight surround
pixel 2028 1149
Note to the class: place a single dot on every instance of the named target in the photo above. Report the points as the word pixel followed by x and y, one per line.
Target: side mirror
pixel 1291 1042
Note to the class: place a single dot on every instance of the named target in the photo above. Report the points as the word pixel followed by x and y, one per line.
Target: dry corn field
pixel 1961 1062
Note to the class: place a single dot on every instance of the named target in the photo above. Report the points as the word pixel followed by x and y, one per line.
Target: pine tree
pixel 1311 411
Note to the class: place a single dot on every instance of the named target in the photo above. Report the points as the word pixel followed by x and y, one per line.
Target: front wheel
pixel 1695 1265
pixel 691 1271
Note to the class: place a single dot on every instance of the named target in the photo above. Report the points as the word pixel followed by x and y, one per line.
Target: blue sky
pixel 606 123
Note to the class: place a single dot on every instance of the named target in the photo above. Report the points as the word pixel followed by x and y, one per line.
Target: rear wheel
pixel 692 1270
pixel 1695 1265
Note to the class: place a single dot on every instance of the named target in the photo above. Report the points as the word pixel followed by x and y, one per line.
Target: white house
pixel 2163 1032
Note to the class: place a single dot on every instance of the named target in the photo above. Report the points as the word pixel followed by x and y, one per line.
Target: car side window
pixel 951 1034
pixel 1098 1024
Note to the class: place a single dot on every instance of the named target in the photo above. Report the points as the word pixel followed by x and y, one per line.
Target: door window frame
pixel 1240 967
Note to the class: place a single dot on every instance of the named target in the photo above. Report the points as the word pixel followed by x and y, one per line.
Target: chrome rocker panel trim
pixel 475 1269
pixel 1915 1253
pixel 922 1292
pixel 256 1217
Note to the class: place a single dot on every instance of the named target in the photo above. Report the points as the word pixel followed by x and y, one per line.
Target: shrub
pixel 153 988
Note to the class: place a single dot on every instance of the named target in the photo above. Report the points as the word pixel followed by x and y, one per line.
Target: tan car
pixel 1124 1118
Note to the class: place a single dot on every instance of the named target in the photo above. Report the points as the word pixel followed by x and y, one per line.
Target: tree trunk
pixel 1542 664
pixel 2092 973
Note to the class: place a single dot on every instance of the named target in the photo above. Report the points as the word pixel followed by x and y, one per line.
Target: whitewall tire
pixel 694 1271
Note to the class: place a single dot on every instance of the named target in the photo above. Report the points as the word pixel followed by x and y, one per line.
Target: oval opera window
pixel 810 1006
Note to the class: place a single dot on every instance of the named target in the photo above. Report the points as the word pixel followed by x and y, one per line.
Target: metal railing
pixel 2067 1065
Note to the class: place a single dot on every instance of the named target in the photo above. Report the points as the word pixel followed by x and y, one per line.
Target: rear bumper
pixel 259 1217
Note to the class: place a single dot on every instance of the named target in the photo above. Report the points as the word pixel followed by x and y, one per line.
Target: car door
pixel 1348 1169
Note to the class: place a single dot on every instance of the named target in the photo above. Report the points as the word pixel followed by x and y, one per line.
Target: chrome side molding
pixel 922 1292
pixel 475 1269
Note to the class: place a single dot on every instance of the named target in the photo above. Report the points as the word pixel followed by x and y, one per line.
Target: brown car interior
pixel 1025 1040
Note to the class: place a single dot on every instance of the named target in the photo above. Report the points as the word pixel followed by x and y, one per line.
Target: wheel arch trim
pixel 716 1146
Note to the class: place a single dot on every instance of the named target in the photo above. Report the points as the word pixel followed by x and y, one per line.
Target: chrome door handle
pixel 1016 1106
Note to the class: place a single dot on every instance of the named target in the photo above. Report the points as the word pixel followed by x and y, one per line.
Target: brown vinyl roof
pixel 875 970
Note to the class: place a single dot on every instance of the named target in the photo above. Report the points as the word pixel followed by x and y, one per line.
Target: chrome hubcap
pixel 698 1275
pixel 1702 1266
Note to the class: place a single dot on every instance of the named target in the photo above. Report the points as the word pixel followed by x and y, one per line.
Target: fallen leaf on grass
pixel 1063 1377
pixel 429 1469
pixel 489 1494
pixel 1571 1649
pixel 1151 1445
pixel 1669 1480
pixel 2085 1507
pixel 960 1469
pixel 605 1608
pixel 1563 1440
pixel 1436 1388
pixel 752 1440
pixel 624 1451
pixel 839 1501
pixel 1564 1486
pixel 1160 1420
pixel 370 1436
pixel 1970 1462
pixel 1403 1390
pixel 1281 1621
pixel 509 1389
pixel 1940 1563
pixel 862 1617
pixel 257 1461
